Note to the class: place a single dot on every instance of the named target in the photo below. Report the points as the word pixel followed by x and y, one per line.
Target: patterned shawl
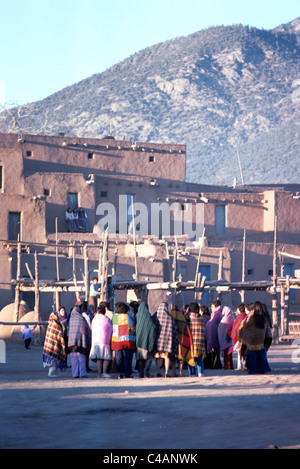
pixel 250 335
pixel 234 333
pixel 211 330
pixel 123 336
pixel 224 328
pixel 54 350
pixel 145 329
pixel 185 341
pixel 79 331
pixel 197 328
pixel 167 340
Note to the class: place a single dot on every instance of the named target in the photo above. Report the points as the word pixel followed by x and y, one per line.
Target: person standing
pixel 166 339
pixel 101 341
pixel 88 316
pixel 211 334
pixel 185 341
pixel 197 328
pixel 123 340
pixel 252 334
pixel 234 334
pixel 79 341
pixel 205 314
pixel 55 344
pixel 27 335
pixel 94 294
pixel 225 342
pixel 145 339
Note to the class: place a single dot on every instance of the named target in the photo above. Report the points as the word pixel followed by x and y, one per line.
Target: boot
pixel 52 372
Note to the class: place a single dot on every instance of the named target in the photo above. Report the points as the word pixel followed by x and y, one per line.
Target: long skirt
pixel 258 362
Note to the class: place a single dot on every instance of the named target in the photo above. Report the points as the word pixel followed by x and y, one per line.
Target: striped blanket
pixel 54 350
pixel 185 341
pixel 197 328
pixel 79 332
pixel 145 329
pixel 166 340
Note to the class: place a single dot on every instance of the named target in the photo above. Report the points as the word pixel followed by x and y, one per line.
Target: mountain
pixel 225 92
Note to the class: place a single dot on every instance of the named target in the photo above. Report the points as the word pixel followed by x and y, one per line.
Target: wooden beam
pixel 17 289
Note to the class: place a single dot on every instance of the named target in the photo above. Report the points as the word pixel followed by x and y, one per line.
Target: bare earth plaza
pixel 225 409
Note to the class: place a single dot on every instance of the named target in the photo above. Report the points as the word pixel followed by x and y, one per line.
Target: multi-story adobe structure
pixel 40 176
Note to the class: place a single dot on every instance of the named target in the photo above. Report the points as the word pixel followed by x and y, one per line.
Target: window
pixel 73 200
pixel 220 213
pixel 103 194
pixel 250 272
pixel 28 153
pixel 205 271
pixel 90 156
pixel 47 192
pixel 151 159
pixel 14 226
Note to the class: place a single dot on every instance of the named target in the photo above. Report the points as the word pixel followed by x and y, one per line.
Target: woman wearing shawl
pixel 252 334
pixel 185 341
pixel 211 335
pixel 145 339
pixel 197 327
pixel 224 328
pixel 123 340
pixel 205 314
pixel 55 345
pixel 234 333
pixel 101 339
pixel 79 341
pixel 166 339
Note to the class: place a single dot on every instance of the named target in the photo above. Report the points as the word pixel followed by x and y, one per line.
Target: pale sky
pixel 46 45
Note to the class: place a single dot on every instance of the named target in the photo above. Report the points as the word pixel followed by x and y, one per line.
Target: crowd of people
pixel 193 338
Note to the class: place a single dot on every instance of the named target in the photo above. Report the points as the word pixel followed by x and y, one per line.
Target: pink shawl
pixel 101 330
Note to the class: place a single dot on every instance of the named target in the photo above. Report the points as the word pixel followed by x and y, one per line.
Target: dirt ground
pixel 224 409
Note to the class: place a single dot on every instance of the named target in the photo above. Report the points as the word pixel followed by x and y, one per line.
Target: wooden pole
pixel 197 273
pixel 114 267
pixel 243 266
pixel 169 263
pixel 100 262
pixel 105 262
pixel 74 271
pixel 134 241
pixel 86 272
pixel 57 298
pixel 274 288
pixel 36 285
pixel 220 270
pixel 17 289
pixel 284 303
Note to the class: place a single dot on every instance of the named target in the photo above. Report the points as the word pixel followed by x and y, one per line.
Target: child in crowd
pixel 27 335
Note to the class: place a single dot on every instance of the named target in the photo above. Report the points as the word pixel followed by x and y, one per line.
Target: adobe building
pixel 40 176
